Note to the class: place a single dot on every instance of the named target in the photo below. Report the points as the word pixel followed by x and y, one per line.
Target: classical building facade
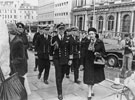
pixel 45 11
pixel 114 16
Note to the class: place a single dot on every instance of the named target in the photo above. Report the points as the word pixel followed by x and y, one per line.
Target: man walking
pixel 61 57
pixel 34 43
pixel 43 50
pixel 76 53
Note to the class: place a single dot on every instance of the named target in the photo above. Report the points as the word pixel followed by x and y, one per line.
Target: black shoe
pixel 77 81
pixel 60 97
pixel 35 69
pixel 46 82
pixel 67 76
pixel 89 98
pixel 92 94
pixel 39 76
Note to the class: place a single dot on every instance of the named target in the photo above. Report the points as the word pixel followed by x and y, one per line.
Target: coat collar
pixel 97 41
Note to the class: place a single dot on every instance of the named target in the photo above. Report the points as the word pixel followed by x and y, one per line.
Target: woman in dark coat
pixel 93 73
pixel 18 60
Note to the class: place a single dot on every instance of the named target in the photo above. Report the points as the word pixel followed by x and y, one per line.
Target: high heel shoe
pixel 92 94
pixel 89 98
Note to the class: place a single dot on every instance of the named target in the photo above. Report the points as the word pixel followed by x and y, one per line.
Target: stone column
pixel 118 26
pixel 104 22
pixel 131 24
pixel 86 21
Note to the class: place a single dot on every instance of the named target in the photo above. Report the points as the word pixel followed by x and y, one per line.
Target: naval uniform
pixel 61 55
pixel 43 51
pixel 76 56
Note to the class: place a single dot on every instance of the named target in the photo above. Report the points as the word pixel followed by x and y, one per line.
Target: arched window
pixel 100 23
pixel 126 23
pixel 90 21
pixel 110 23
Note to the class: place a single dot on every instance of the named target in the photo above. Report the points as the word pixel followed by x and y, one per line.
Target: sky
pixel 33 2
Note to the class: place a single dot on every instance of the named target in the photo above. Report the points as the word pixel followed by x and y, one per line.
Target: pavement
pixel 71 91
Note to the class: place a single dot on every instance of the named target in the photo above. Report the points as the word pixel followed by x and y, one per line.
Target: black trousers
pixel 44 64
pixel 36 63
pixel 68 70
pixel 76 66
pixel 60 71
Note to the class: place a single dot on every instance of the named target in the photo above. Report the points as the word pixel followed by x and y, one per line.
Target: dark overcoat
pixel 25 43
pixel 18 60
pixel 42 48
pixel 93 73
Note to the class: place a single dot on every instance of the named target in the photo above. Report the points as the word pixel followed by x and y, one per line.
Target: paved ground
pixel 71 91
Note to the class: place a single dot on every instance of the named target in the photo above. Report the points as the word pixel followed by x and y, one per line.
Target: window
pixel 66 13
pixel 10 16
pixel 15 16
pixel 90 21
pixel 110 23
pixel 81 2
pixel 100 24
pixel 14 11
pixel 126 23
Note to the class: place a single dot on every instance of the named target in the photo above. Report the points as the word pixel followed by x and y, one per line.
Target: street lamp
pixel 94 17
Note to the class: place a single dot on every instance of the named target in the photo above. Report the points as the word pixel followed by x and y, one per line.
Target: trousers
pixel 76 68
pixel 44 64
pixel 60 71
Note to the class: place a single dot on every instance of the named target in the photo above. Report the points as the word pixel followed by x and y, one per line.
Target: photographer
pixel 126 45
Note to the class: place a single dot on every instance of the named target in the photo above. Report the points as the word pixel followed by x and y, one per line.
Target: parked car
pixel 114 58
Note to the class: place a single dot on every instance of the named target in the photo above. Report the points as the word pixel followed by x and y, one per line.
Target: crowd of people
pixel 67 49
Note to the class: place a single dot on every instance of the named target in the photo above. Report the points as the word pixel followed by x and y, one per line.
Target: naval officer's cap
pixel 61 26
pixel 73 28
pixel 45 27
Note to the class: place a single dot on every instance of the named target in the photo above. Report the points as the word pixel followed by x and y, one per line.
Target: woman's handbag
pixel 99 59
pixel 12 88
